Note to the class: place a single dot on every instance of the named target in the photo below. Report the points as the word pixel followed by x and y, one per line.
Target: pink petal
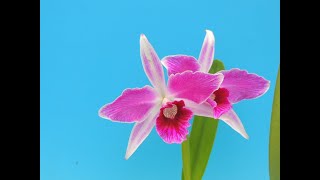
pixel 242 85
pixel 172 126
pixel 204 109
pixel 180 63
pixel 220 109
pixel 211 102
pixel 194 86
pixel 207 52
pixel 234 122
pixel 222 103
pixel 141 130
pixel 151 64
pixel 133 105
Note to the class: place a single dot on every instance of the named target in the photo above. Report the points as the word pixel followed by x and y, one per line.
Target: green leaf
pixel 182 176
pixel 217 65
pixel 201 142
pixel 274 144
pixel 201 138
pixel 186 173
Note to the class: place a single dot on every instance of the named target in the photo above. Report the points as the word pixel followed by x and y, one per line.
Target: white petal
pixel 141 131
pixel 232 119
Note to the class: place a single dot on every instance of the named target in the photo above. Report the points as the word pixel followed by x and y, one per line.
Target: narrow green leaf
pixel 201 142
pixel 202 137
pixel 182 176
pixel 274 144
pixel 186 173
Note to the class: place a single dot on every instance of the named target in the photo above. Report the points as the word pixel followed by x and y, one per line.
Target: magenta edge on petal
pixel 265 89
pixel 122 93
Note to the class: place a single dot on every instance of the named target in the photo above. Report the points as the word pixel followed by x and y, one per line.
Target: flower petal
pixel 207 52
pixel 222 103
pixel 133 105
pixel 151 64
pixel 221 108
pixel 180 63
pixel 204 109
pixel 234 122
pixel 243 85
pixel 211 102
pixel 141 130
pixel 172 126
pixel 195 86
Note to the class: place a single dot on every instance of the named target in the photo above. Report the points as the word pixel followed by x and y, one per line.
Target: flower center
pixel 220 96
pixel 213 96
pixel 170 112
pixel 173 122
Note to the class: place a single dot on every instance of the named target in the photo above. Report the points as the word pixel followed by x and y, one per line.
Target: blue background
pixel 90 54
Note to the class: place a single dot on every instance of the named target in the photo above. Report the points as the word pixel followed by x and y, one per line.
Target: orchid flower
pixel 237 84
pixel 168 107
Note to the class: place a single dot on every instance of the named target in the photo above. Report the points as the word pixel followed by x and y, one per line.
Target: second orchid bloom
pixel 190 90
pixel 237 84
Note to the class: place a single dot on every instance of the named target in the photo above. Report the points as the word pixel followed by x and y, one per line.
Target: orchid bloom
pixel 169 108
pixel 237 84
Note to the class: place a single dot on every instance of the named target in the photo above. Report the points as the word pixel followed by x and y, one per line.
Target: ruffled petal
pixel 220 109
pixel 243 85
pixel 133 105
pixel 173 122
pixel 194 86
pixel 180 63
pixel 223 105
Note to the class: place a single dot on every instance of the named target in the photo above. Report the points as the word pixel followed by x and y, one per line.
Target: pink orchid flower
pixel 237 84
pixel 169 108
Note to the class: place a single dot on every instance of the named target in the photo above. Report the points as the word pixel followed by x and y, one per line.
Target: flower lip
pixel 173 121
pixel 223 105
pixel 221 95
